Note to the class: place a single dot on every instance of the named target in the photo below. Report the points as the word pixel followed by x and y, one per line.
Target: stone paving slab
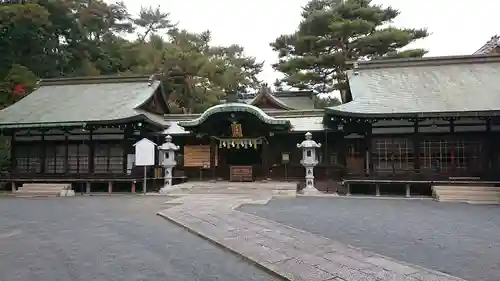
pixel 292 253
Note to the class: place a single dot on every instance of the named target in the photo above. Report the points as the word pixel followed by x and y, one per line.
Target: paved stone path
pixel 292 253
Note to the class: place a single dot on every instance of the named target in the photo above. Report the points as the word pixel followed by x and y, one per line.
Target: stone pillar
pixel 309 161
pixel 168 161
pixel 408 191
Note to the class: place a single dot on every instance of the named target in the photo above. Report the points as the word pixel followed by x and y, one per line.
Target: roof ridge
pixel 104 79
pixel 426 61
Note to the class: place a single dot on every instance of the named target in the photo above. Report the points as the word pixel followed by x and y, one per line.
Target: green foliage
pixel 322 102
pixel 334 32
pixel 46 38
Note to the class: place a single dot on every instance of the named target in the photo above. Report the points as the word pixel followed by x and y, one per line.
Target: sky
pixel 456 27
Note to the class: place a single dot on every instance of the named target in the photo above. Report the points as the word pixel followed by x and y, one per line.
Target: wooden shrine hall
pixel 406 120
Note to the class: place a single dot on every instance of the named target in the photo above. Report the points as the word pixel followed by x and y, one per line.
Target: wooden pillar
pixel 452 147
pixel 343 152
pixel 265 162
pixel 416 147
pixel 43 154
pixel 487 153
pixel 13 144
pixel 125 146
pixel 213 147
pixel 91 152
pixel 66 153
pixel 368 152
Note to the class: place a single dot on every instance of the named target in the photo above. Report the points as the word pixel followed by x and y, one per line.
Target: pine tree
pixel 334 32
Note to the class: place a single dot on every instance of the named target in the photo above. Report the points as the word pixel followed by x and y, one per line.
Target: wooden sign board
pixel 198 156
pixel 145 151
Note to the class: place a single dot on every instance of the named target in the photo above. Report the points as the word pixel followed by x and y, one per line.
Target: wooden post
pixel 43 154
pixel 66 153
pixel 368 152
pixel 265 163
pixel 487 153
pixel 91 152
pixel 13 144
pixel 213 147
pixel 110 187
pixel 416 147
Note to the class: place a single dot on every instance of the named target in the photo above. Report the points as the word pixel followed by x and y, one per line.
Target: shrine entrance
pixel 238 135
pixel 242 158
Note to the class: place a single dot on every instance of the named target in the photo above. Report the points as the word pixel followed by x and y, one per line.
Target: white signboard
pixel 145 152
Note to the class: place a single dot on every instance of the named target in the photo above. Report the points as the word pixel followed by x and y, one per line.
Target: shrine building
pixel 420 120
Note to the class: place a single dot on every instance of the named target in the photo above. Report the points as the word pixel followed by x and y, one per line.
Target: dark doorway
pixel 243 156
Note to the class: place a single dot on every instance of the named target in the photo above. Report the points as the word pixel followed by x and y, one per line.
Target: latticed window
pixel 108 158
pixel 78 158
pixel 392 154
pixel 446 154
pixel 55 158
pixel 28 158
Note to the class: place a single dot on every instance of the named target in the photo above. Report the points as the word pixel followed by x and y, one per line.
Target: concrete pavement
pixel 289 252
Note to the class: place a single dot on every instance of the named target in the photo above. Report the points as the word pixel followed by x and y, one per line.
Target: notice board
pixel 198 156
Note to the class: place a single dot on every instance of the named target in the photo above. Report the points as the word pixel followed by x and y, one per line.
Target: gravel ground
pixel 459 239
pixel 107 239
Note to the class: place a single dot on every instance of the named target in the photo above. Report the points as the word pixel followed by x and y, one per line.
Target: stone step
pixel 36 194
pixel 466 187
pixel 466 193
pixel 42 190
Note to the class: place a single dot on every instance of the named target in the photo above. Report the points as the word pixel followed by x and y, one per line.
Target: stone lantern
pixel 167 151
pixel 309 161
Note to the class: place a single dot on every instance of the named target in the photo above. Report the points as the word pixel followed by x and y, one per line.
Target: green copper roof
pixel 69 101
pixel 440 86
pixel 235 107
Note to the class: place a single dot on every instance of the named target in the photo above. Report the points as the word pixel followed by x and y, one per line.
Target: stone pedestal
pixel 168 180
pixel 167 151
pixel 309 161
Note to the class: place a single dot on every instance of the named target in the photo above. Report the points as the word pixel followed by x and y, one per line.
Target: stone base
pixel 67 192
pixel 310 192
pixel 164 190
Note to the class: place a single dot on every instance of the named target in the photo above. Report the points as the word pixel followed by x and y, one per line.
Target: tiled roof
pixel 424 87
pixel 82 100
pixel 300 120
pixel 288 100
pixel 492 46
